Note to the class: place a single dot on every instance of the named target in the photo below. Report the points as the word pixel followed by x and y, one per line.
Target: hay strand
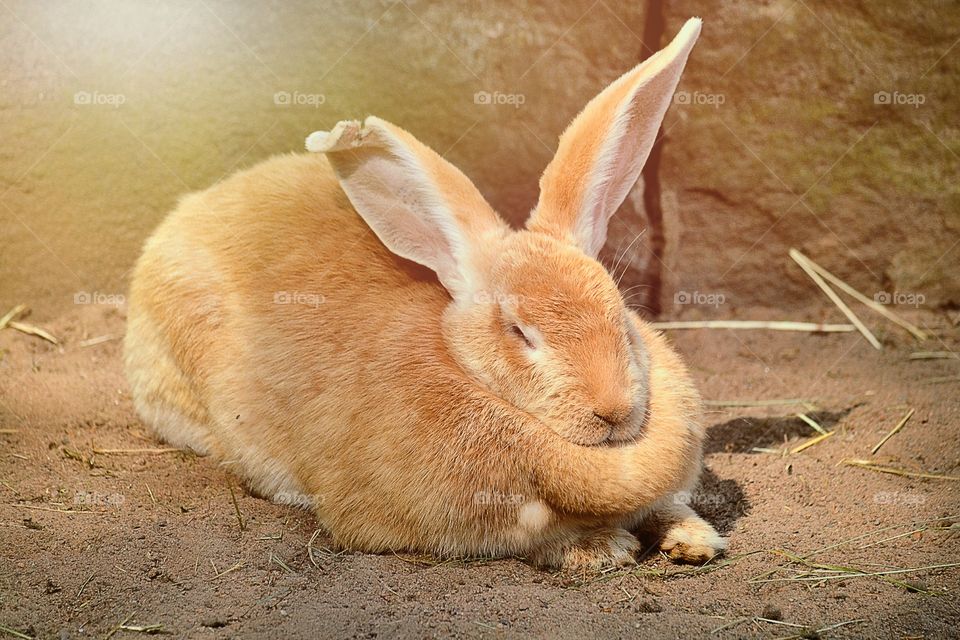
pixel 812 441
pixel 871 304
pixel 804 263
pixel 775 325
pixel 892 433
pixel 872 466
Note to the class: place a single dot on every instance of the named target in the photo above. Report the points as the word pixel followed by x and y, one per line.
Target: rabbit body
pixel 277 325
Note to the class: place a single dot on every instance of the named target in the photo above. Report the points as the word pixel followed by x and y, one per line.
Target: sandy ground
pixel 93 540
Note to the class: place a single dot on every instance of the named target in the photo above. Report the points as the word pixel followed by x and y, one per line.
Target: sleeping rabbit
pixel 358 326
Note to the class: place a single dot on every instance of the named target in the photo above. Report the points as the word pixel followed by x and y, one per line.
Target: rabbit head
pixel 533 315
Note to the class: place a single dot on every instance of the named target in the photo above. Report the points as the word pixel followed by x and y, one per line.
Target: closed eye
pixel 518 332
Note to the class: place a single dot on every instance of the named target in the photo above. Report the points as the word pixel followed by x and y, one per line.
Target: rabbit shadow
pixel 744 434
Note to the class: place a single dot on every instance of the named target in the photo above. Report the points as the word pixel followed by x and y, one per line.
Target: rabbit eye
pixel 518 332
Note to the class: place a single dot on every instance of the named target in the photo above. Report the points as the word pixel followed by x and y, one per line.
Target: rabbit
pixel 354 329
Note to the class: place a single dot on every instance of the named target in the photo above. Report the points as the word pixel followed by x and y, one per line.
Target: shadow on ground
pixel 742 435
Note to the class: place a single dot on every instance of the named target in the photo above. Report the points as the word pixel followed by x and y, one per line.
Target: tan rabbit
pixel 359 329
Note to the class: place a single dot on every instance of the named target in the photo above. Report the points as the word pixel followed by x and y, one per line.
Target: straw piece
pixel 107 452
pixel 812 441
pixel 813 423
pixel 871 466
pixel 893 432
pixel 806 404
pixel 934 355
pixel 802 260
pixel 95 341
pixel 15 633
pixel 872 304
pixel 32 330
pixel 776 325
pixel 10 315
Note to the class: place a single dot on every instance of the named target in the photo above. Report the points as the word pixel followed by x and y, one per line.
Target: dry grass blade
pixel 892 433
pixel 915 524
pixel 934 355
pixel 7 432
pixel 235 567
pixel 95 341
pixel 812 441
pixel 809 406
pixel 10 315
pixel 807 266
pixel 815 633
pixel 147 628
pixel 776 325
pixel 49 510
pixel 941 380
pixel 14 633
pixel 120 452
pixel 848 573
pixel 114 630
pixel 32 330
pixel 872 466
pixel 277 560
pixel 236 507
pixel 871 304
pixel 813 423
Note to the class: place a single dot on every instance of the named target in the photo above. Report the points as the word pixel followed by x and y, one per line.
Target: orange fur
pixel 271 326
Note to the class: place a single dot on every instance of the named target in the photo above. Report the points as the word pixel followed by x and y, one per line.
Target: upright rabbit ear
pixel 602 152
pixel 420 206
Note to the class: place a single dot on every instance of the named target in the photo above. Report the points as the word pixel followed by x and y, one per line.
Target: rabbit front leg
pixel 586 550
pixel 688 537
pixel 683 535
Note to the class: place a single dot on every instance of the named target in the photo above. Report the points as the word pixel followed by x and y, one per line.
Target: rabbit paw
pixel 692 541
pixel 598 549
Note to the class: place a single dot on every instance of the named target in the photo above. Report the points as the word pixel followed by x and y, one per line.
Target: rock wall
pixel 110 111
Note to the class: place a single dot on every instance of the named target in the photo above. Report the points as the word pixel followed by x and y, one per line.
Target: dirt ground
pixel 95 544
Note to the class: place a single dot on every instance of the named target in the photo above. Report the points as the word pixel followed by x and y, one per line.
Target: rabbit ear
pixel 420 206
pixel 602 152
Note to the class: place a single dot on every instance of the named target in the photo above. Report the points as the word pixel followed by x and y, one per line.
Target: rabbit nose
pixel 613 414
